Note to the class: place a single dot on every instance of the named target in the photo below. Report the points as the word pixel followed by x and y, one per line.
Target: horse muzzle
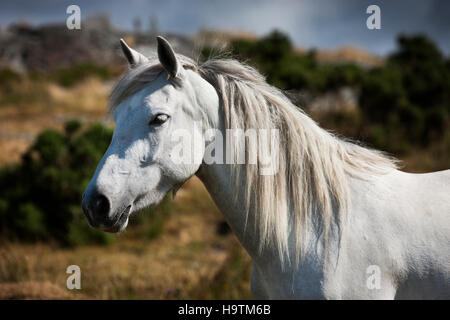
pixel 97 209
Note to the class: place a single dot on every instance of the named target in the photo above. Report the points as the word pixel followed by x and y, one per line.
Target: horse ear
pixel 167 57
pixel 134 58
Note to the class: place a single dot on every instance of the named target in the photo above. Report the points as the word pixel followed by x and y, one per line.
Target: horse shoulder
pixel 399 223
pixel 373 235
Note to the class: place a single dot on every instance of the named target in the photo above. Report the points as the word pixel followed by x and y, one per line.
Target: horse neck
pixel 221 185
pixel 217 180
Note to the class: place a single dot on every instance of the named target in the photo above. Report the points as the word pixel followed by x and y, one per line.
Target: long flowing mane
pixel 312 183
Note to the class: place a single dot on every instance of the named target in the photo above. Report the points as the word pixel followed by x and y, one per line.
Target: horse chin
pixel 150 200
pixel 121 223
pixel 118 227
pixel 142 203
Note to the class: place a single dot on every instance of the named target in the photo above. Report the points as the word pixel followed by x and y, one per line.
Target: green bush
pixel 275 57
pixel 30 220
pixel 150 222
pixel 410 95
pixel 404 103
pixel 73 75
pixel 8 76
pixel 382 94
pixel 40 197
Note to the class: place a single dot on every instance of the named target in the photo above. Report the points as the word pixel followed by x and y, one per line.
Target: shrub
pixel 30 221
pixel 73 75
pixel 150 221
pixel 409 96
pixel 382 94
pixel 8 76
pixel 40 198
pixel 404 103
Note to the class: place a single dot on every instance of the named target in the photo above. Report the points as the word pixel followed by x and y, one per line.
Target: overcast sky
pixel 309 23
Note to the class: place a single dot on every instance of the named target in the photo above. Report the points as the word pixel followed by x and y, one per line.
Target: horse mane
pixel 315 166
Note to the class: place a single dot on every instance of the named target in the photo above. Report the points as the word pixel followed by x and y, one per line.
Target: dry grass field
pixel 50 106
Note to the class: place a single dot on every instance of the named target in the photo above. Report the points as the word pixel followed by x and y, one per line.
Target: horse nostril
pixel 101 206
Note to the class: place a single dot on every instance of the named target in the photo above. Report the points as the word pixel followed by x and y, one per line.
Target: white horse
pixel 336 221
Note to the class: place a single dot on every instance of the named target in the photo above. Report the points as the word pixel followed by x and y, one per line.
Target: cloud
pixel 310 23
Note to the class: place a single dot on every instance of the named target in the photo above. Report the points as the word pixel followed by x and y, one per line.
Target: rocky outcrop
pixel 25 48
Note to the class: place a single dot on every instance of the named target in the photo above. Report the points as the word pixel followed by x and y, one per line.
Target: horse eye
pixel 159 119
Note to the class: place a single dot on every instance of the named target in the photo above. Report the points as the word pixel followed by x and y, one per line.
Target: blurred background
pixel 388 88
